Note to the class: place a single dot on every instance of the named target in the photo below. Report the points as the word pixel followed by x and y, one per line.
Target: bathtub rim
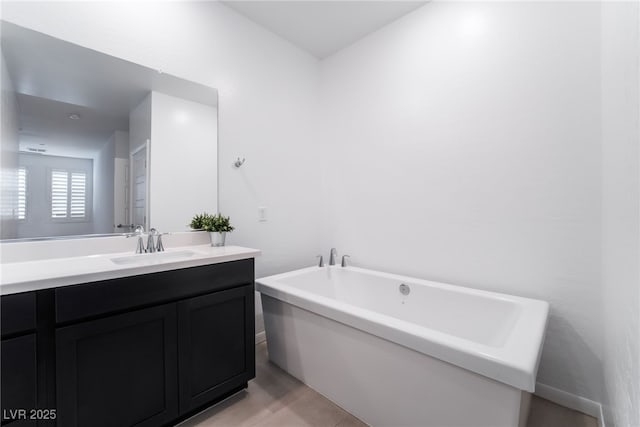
pixel 515 363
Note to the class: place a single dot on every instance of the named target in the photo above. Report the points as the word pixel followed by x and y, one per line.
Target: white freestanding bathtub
pixel 439 355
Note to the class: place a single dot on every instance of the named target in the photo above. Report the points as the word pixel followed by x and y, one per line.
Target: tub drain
pixel 404 289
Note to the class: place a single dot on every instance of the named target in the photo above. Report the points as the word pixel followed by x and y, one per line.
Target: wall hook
pixel 238 162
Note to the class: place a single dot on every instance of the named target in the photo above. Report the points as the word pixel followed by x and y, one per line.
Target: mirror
pixel 93 145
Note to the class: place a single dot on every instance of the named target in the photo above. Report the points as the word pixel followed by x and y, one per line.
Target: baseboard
pixel 601 417
pixel 260 337
pixel 571 401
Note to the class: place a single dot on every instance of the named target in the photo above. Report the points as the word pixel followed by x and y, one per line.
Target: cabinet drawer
pixel 18 313
pixel 98 298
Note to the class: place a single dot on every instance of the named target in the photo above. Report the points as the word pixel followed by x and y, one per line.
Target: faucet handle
pixel 138 231
pixel 159 245
pixel 344 260
pixel 321 263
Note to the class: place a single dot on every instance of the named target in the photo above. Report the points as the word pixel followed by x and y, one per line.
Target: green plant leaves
pixel 207 222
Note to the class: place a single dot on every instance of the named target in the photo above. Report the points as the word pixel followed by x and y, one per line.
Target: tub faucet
pixel 332 256
pixel 344 260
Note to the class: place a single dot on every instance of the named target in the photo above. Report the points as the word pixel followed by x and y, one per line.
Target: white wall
pixel 8 155
pixel 103 190
pixel 184 131
pixel 121 181
pixel 465 148
pixel 139 134
pixel 121 140
pixel 621 211
pixel 139 124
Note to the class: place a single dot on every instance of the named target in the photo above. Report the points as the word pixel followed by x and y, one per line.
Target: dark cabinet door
pixel 118 371
pixel 19 380
pixel 216 336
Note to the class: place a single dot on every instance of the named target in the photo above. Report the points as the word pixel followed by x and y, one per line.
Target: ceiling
pixel 45 125
pixel 323 27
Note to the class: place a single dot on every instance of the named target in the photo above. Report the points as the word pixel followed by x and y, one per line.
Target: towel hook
pixel 239 162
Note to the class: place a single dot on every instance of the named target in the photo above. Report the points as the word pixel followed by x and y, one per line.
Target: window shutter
pixel 68 194
pixel 78 194
pixel 22 193
pixel 59 193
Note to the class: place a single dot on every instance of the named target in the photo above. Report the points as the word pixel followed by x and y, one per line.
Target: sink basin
pixel 153 258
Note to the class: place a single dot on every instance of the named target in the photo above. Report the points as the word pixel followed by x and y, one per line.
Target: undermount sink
pixel 153 258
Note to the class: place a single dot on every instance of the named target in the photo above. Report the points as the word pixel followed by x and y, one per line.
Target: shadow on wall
pixel 563 346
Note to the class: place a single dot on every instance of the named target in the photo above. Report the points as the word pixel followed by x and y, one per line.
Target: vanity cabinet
pixel 147 350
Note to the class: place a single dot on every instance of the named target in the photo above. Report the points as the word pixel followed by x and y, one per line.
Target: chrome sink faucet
pixel 154 240
pixel 158 246
pixel 332 256
pixel 151 245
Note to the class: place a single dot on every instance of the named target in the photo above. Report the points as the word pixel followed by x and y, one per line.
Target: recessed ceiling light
pixel 74 116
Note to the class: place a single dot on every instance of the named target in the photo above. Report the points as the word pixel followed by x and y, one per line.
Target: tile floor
pixel 277 399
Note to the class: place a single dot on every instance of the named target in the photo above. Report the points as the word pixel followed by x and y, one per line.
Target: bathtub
pixel 399 351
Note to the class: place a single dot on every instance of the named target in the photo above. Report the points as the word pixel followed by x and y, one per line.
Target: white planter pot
pixel 217 239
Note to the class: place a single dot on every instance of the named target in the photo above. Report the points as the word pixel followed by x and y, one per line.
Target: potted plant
pixel 216 225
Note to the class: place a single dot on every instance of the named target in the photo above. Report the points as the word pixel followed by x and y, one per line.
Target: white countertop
pixel 52 273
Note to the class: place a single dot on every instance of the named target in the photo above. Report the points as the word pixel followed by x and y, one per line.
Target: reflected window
pixel 22 193
pixel 68 194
